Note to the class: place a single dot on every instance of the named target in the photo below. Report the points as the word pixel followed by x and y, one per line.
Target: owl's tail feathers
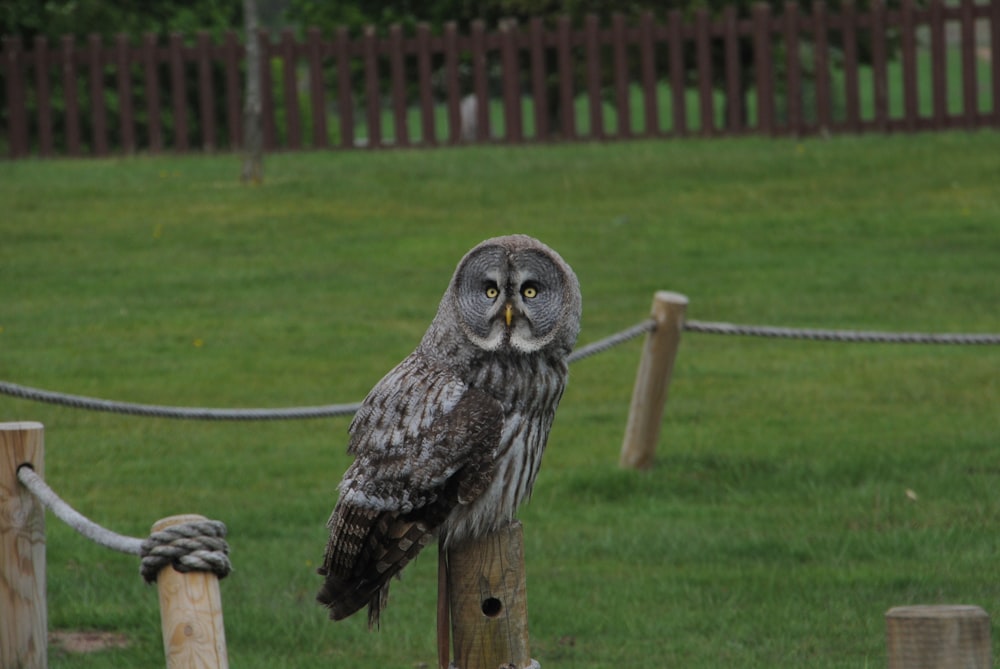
pixel 344 599
pixel 389 546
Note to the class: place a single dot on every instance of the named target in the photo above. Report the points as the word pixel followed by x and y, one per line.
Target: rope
pixel 192 546
pixel 154 411
pixel 599 346
pixel 602 345
pixel 840 335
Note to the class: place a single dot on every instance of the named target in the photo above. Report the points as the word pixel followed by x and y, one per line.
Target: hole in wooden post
pixel 492 607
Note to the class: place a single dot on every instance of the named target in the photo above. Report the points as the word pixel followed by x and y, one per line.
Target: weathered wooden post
pixel 488 599
pixel 652 381
pixel 190 613
pixel 938 637
pixel 23 611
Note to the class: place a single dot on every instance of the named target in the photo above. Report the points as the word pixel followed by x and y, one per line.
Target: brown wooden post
pixel 480 80
pixel 290 90
pixel 793 65
pixel 939 71
pixel 911 110
pixel 190 613
pixel 398 78
pixel 24 619
pixel 735 102
pixel 511 77
pixel 539 86
pixel 152 81
pixel 647 53
pixel 13 56
pixel 567 93
pixel 938 637
pixel 372 87
pixel 98 110
pixel 345 100
pixel 703 58
pixel 70 96
pixel 994 20
pixel 123 77
pixel 970 84
pixel 678 91
pixel 488 599
pixel 620 49
pixel 762 65
pixel 317 100
pixel 880 76
pixel 178 91
pixel 592 48
pixel 428 135
pixel 451 82
pixel 824 117
pixel 851 93
pixel 269 128
pixel 206 94
pixel 44 93
pixel 231 54
pixel 652 381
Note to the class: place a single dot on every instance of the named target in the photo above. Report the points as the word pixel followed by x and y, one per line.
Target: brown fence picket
pixel 424 80
pixel 231 52
pixel 43 63
pixel 678 91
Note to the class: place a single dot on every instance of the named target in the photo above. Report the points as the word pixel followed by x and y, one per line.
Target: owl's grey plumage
pixel 448 443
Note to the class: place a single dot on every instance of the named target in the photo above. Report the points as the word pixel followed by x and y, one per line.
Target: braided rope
pixel 602 345
pixel 599 346
pixel 855 336
pixel 191 546
pixel 155 411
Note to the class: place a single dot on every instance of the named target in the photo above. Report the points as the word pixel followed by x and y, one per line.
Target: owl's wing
pixel 424 442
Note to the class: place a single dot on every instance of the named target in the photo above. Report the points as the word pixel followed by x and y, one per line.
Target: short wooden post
pixel 23 611
pixel 938 637
pixel 653 380
pixel 488 597
pixel 190 613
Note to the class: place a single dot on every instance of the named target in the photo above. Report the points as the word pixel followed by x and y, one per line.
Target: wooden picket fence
pixel 797 73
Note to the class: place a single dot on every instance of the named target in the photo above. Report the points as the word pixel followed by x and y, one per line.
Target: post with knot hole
pixel 938 637
pixel 487 595
pixel 652 381
pixel 23 613
pixel 190 611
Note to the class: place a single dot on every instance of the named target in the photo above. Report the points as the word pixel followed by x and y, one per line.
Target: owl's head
pixel 515 293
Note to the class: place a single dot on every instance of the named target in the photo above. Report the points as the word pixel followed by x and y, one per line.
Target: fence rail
pixel 794 73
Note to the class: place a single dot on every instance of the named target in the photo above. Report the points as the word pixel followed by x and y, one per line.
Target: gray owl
pixel 448 443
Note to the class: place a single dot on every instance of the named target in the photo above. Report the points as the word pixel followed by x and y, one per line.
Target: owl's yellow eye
pixel 492 292
pixel 529 292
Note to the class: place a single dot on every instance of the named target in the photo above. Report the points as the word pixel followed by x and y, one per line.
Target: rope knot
pixel 193 546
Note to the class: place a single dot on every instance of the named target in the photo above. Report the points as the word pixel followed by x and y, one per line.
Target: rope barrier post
pixel 190 613
pixel 652 381
pixel 938 637
pixel 488 599
pixel 23 612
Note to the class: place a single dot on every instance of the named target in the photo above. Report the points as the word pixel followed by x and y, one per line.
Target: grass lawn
pixel 801 489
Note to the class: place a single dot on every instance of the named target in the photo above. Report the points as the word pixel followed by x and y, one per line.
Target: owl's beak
pixel 508 313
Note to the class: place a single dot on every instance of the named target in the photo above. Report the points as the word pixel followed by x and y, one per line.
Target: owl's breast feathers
pixel 424 443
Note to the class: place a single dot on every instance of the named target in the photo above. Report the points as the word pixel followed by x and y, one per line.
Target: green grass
pixel 775 529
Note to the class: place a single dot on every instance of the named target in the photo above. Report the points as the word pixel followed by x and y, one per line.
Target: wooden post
pixel 23 612
pixel 190 613
pixel 652 381
pixel 938 637
pixel 488 597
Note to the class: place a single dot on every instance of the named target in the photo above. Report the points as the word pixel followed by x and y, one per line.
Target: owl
pixel 448 443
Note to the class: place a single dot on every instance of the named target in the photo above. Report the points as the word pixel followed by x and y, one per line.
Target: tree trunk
pixel 253 162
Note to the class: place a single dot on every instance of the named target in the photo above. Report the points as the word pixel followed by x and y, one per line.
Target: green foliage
pixel 776 527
